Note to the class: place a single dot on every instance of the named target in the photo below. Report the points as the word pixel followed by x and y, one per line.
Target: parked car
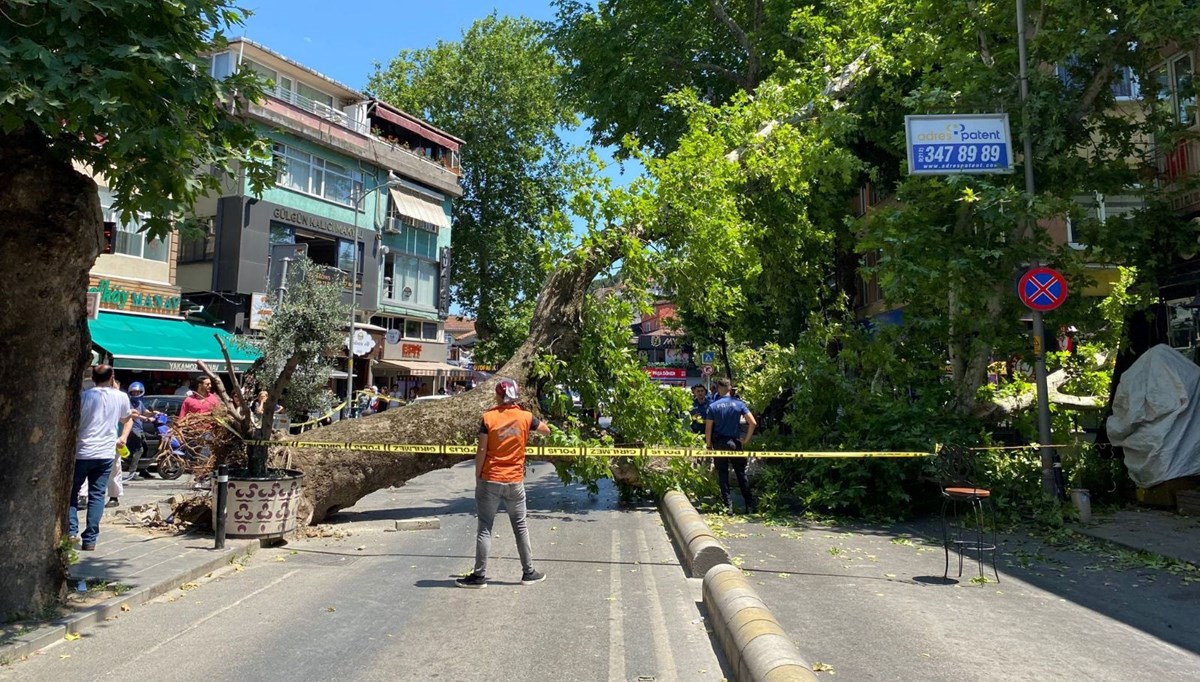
pixel 156 403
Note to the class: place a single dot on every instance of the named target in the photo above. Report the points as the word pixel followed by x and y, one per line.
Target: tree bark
pixel 337 477
pixel 51 229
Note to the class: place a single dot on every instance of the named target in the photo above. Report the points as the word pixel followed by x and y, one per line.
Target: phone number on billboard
pixel 959 156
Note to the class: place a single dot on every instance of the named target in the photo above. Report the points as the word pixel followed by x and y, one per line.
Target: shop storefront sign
pixel 650 341
pixel 363 343
pixel 393 337
pixel 444 281
pixel 666 373
pixel 313 222
pixel 135 297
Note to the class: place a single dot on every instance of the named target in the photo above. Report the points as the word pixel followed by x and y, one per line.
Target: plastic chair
pixel 957 480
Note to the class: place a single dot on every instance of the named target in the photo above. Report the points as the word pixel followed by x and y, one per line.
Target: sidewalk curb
pixel 77 622
pixel 754 643
pixel 698 546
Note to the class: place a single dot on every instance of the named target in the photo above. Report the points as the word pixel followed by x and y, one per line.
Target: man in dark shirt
pixel 700 401
pixel 722 431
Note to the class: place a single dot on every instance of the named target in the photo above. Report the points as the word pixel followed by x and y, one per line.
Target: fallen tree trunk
pixel 1005 407
pixel 337 477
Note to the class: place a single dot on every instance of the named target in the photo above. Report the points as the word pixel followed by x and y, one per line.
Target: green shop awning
pixel 156 343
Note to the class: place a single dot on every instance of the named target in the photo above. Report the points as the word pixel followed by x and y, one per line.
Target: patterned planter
pixel 262 507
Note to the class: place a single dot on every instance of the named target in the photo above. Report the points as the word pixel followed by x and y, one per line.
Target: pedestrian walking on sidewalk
pixel 500 477
pixel 102 409
pixel 723 431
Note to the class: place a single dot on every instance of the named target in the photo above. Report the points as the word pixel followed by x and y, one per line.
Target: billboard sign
pixel 958 144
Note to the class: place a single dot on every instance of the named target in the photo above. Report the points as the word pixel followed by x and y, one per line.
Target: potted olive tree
pixel 294 370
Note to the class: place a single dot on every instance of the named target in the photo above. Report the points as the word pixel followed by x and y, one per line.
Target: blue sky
pixel 343 40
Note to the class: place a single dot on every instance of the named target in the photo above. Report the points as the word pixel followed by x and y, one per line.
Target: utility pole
pixel 1051 467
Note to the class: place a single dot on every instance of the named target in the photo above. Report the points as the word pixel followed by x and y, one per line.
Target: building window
pixel 1174 89
pixel 324 250
pixel 199 245
pixel 1125 85
pixel 311 174
pixel 410 281
pixel 416 241
pixel 127 238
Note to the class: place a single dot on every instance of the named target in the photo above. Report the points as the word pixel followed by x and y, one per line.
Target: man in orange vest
pixel 499 476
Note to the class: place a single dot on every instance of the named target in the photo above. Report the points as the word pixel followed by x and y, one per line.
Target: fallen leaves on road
pixel 819 667
pixel 330 609
pixel 72 636
pixel 189 586
pixel 124 607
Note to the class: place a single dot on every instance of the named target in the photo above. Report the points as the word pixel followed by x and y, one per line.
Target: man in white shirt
pixel 104 410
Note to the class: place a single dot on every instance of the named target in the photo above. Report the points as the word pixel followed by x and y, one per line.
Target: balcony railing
pixel 320 109
pixel 448 162
pixel 1178 168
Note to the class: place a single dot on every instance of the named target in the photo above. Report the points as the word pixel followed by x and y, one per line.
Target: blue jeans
pixel 96 473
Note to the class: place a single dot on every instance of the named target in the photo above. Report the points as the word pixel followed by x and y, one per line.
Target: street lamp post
pixel 357 199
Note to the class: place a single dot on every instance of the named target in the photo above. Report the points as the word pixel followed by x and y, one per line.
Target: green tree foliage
pixel 768 246
pixel 303 327
pixel 628 58
pixel 138 106
pixel 497 89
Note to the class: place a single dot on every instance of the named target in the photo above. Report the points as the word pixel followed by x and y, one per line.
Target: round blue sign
pixel 1042 289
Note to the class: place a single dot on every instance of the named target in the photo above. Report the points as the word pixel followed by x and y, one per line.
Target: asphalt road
pixel 380 605
pixel 870 603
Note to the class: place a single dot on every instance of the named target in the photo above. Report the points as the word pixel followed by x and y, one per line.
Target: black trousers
pixel 739 469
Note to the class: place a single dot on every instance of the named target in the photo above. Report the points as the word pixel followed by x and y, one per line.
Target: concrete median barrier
pixel 757 648
pixel 698 546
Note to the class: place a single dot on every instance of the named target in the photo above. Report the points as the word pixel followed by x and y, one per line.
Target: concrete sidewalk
pixel 1151 530
pixel 131 565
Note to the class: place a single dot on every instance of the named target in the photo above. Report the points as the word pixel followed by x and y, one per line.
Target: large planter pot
pixel 262 507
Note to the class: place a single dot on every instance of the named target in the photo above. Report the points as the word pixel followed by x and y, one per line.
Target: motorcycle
pixel 173 459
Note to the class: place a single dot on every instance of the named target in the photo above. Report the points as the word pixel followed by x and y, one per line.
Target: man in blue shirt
pixel 722 431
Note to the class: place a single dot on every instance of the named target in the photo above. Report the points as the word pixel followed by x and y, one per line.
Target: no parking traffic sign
pixel 1042 289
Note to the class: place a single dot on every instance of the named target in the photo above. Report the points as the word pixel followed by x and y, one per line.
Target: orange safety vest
pixel 507 434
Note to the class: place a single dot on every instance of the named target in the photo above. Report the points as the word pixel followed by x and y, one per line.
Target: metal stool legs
pixel 967 545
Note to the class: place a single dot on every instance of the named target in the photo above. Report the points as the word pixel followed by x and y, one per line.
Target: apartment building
pixel 363 190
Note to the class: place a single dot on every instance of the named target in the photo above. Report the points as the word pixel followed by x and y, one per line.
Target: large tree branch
pixel 836 88
pixel 749 80
pixel 984 53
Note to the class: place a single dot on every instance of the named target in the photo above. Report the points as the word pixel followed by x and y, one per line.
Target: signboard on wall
pixel 668 373
pixel 93 305
pixel 132 296
pixel 260 311
pixel 444 281
pixel 958 144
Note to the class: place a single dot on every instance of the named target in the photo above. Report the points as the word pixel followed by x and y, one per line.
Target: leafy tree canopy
pixel 497 89
pixel 626 58
pixel 119 86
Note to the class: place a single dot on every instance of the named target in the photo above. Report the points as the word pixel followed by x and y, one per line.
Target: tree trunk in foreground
pixel 336 478
pixel 50 228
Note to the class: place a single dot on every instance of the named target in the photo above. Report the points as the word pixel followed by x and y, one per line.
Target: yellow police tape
pixel 332 411
pixel 588 451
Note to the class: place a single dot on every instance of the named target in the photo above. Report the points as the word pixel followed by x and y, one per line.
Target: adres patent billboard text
pixel 958 143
